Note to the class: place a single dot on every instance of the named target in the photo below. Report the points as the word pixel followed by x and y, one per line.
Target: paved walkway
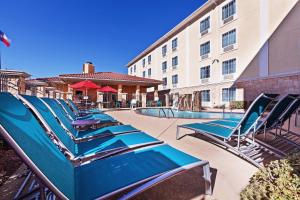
pixel 232 173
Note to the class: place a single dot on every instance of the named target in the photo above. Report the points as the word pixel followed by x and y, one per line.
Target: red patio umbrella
pixel 107 89
pixel 85 85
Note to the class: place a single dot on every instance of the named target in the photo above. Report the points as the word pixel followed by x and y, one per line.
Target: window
pixel 144 74
pixel 174 62
pixel 149 59
pixel 174 44
pixel 205 72
pixel 165 81
pixel 228 38
pixel 164 50
pixel 134 68
pixel 174 79
pixel 229 66
pixel 149 72
pixel 228 94
pixel 205 95
pixel 164 66
pixel 144 62
pixel 130 70
pixel 205 24
pixel 205 48
pixel 229 10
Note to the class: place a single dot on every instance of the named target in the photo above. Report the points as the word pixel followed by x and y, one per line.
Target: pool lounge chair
pixel 266 123
pixel 44 111
pixel 81 112
pixel 285 139
pixel 73 116
pixel 89 149
pixel 274 120
pixel 237 138
pixel 57 176
pixel 56 108
pixel 286 116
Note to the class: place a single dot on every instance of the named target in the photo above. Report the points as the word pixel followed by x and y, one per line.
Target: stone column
pixel 144 99
pixel 120 92
pixel 137 93
pixel 156 93
pixel 167 100
pixel 100 100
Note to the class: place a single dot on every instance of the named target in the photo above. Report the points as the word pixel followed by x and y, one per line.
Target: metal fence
pixel 3 82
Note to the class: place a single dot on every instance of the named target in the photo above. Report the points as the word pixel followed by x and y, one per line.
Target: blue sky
pixel 51 37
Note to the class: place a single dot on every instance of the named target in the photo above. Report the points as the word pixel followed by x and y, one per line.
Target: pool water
pixel 167 112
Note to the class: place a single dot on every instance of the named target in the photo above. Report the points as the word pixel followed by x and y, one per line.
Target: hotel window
pixel 228 94
pixel 205 95
pixel 164 66
pixel 205 72
pixel 164 50
pixel 174 44
pixel 144 62
pixel 229 66
pixel 174 62
pixel 228 10
pixel 205 48
pixel 165 81
pixel 134 68
pixel 149 72
pixel 229 38
pixel 149 59
pixel 205 25
pixel 174 79
pixel 144 74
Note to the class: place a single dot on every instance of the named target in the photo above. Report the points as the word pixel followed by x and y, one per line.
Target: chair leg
pixel 289 125
pixel 177 133
pixel 42 193
pixel 207 179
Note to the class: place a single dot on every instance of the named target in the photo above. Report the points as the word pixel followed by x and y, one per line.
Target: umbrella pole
pixel 86 98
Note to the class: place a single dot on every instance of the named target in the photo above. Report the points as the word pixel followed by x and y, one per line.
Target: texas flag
pixel 4 39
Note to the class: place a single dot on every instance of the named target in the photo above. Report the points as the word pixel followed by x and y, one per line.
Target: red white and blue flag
pixel 4 39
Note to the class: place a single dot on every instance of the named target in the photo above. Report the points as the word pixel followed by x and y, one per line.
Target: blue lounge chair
pixel 57 110
pixel 40 108
pixel 284 139
pixel 82 112
pixel 57 176
pixel 73 117
pixel 286 116
pixel 265 123
pixel 82 150
pixel 227 135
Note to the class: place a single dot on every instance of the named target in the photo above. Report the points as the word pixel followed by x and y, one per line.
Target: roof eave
pixel 156 82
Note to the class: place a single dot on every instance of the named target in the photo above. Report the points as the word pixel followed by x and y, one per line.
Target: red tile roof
pixel 50 79
pixel 111 76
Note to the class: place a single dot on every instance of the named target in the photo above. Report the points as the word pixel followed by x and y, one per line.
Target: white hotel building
pixel 229 50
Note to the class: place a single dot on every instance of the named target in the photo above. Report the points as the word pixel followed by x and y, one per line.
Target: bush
pixel 280 180
pixel 237 105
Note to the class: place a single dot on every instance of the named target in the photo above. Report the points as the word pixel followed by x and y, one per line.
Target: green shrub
pixel 280 180
pixel 237 105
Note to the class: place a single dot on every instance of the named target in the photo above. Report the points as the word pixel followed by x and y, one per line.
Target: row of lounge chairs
pixel 240 135
pixel 94 163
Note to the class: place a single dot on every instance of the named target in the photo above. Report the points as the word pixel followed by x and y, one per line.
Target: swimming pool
pixel 167 112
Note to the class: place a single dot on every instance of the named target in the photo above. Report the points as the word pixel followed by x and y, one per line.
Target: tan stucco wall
pixel 255 21
pixel 284 49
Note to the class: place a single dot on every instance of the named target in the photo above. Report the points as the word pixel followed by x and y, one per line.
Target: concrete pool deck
pixel 232 173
